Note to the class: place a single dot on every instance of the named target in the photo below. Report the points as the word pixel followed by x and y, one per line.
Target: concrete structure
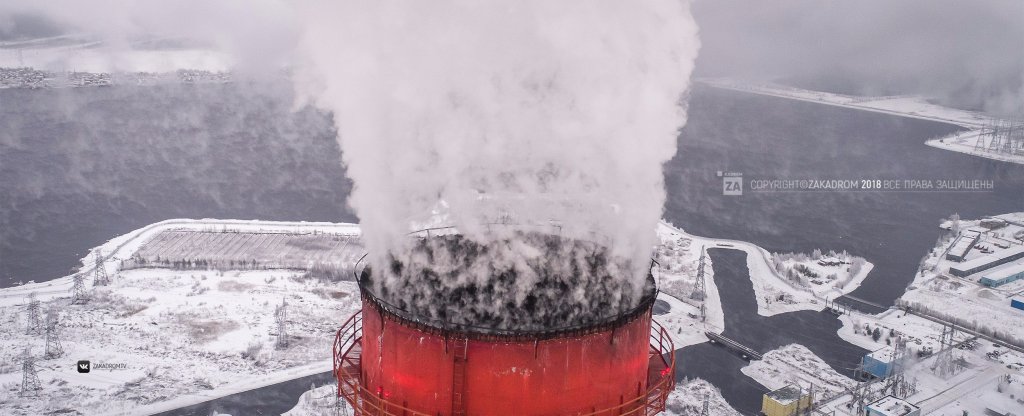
pixel 1003 275
pixel 1017 302
pixel 391 361
pixel 786 401
pixel 891 406
pixel 879 363
pixel 963 245
pixel 979 264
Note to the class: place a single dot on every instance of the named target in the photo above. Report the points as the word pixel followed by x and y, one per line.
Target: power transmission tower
pixel 53 347
pixel 33 324
pixel 101 277
pixel 896 383
pixel 705 411
pixel 281 314
pixel 29 378
pixel 78 291
pixel 700 291
pixel 945 363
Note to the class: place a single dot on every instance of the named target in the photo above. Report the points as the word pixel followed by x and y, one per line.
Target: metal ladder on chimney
pixel 459 377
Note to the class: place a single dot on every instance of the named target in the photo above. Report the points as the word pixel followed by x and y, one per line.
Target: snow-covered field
pixel 795 365
pixel 179 334
pixel 688 399
pixel 183 336
pixel 963 300
pixel 905 106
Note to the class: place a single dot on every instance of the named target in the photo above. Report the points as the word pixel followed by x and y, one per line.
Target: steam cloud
pixel 521 111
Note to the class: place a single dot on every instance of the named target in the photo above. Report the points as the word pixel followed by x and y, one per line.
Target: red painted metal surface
pixel 386 366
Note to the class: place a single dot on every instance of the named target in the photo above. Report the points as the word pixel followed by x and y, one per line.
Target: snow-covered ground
pixel 795 365
pixel 906 106
pixel 962 299
pixel 775 293
pixel 824 274
pixel 688 399
pixel 921 334
pixel 678 257
pixel 320 401
pixel 972 388
pixel 183 336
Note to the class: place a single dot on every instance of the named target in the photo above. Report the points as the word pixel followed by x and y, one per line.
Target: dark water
pixel 270 400
pixel 80 166
pixel 767 137
pixel 814 330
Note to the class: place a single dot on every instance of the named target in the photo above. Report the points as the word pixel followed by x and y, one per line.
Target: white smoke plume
pixel 522 111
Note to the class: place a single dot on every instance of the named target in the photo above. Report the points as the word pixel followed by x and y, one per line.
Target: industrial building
pixel 891 406
pixel 1003 275
pixel 979 264
pixel 786 401
pixel 962 245
pixel 1017 302
pixel 392 360
pixel 879 363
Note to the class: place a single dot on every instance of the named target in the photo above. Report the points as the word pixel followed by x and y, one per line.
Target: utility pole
pixel 32 324
pixel 101 277
pixel 281 314
pixel 29 378
pixel 79 294
pixel 53 347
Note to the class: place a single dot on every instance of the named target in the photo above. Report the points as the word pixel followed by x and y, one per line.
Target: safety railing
pixel 347 370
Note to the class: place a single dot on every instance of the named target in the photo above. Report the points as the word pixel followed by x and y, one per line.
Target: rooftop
pixel 892 406
pixel 787 394
pixel 1003 272
pixel 981 261
pixel 883 355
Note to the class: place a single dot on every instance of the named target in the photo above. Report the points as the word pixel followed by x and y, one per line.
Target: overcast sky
pixel 966 53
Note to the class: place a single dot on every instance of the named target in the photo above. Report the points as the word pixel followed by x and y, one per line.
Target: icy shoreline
pixel 904 106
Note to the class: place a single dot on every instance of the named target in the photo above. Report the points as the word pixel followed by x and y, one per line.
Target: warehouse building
pixel 891 406
pixel 1017 302
pixel 1003 275
pixel 962 245
pixel 879 363
pixel 979 264
pixel 789 400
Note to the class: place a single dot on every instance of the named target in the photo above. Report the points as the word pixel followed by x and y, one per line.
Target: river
pixel 83 165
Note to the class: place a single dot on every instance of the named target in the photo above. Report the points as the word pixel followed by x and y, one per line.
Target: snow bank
pixel 795 364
